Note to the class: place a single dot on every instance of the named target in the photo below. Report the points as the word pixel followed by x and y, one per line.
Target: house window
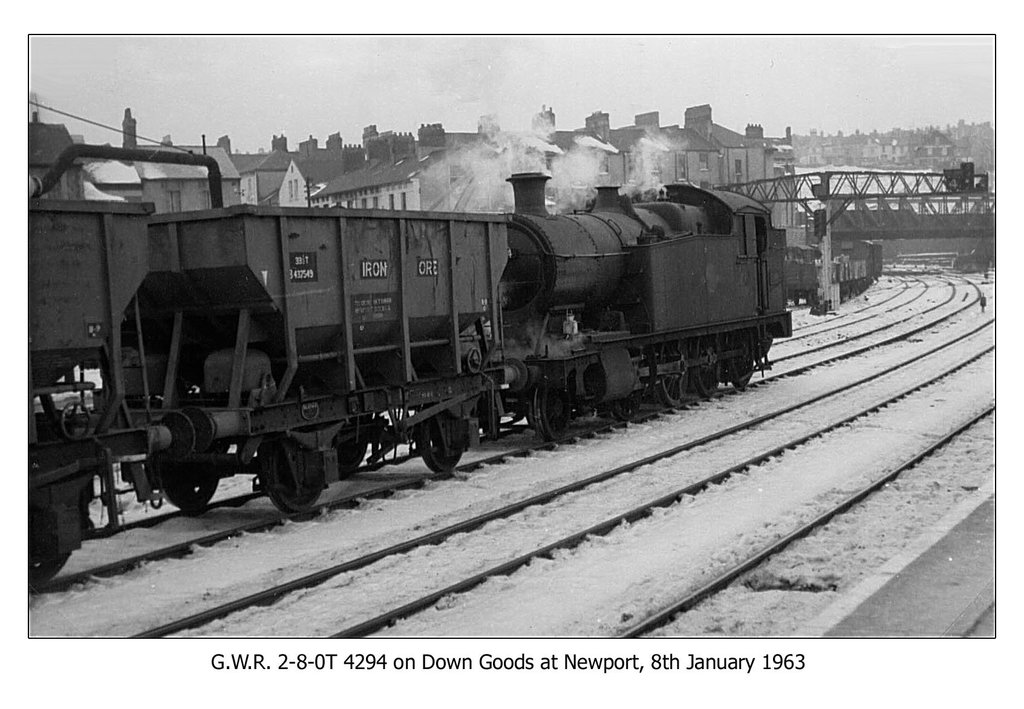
pixel 739 170
pixel 680 167
pixel 376 202
pixel 391 201
pixel 173 201
pixel 362 203
pixel 604 164
pixel 703 157
pixel 403 200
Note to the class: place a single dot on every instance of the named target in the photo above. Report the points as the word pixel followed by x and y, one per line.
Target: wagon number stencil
pixel 302 266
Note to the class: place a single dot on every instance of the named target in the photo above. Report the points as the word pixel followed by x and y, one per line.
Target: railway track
pixel 868 333
pixel 269 595
pixel 387 488
pixel 725 579
pixel 830 322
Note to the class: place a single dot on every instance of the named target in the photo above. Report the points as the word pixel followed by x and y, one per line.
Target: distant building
pixel 261 175
pixel 185 188
pixel 380 186
pixel 305 177
pixel 46 141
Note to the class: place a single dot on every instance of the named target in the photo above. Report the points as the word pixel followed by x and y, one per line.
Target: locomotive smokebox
pixel 528 188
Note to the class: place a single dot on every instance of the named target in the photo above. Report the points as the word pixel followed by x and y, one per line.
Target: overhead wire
pixel 103 125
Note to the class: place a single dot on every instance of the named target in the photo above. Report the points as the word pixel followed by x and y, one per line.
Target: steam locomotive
pixel 603 307
pixel 170 351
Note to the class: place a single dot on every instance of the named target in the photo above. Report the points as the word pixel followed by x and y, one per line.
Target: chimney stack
pixel 528 188
pixel 607 199
pixel 129 139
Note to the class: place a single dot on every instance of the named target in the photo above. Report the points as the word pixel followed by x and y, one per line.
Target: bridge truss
pixel 884 204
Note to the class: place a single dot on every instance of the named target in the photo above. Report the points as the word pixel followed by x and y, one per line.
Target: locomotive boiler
pixel 603 306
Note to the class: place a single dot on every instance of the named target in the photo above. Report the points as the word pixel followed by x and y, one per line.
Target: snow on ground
pixel 172 588
pixel 600 587
pixel 367 592
pixel 793 587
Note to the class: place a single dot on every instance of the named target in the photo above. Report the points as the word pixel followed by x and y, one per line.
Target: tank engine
pixel 603 306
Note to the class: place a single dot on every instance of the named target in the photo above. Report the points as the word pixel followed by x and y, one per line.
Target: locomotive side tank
pixel 604 306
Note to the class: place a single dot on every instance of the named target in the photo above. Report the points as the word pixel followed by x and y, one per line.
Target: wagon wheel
pixel 42 570
pixel 430 443
pixel 704 377
pixel 42 566
pixel 350 456
pixel 550 412
pixel 279 474
pixel 188 486
pixel 626 409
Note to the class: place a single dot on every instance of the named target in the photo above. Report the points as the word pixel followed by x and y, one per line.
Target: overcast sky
pixel 253 87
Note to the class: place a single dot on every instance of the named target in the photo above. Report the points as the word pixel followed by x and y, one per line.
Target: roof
pixel 738 202
pixel 274 161
pixel 228 171
pixel 112 172
pixel 90 191
pixel 319 169
pixel 403 171
pixel 46 141
pixel 164 171
pixel 727 138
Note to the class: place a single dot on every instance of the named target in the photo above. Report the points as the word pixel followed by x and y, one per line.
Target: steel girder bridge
pixel 886 205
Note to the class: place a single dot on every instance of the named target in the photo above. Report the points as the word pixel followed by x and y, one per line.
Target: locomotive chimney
pixel 607 199
pixel 529 192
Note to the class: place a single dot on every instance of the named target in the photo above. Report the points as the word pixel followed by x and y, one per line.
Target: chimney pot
pixel 528 188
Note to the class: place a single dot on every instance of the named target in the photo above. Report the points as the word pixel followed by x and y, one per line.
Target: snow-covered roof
pixel 586 141
pixel 112 172
pixel 90 191
pixel 537 143
pixel 159 171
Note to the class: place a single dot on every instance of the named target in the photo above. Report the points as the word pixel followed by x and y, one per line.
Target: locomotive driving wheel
pixel 671 387
pixel 550 412
pixel 279 473
pixel 188 486
pixel 626 409
pixel 430 442
pixel 740 372
pixel 704 377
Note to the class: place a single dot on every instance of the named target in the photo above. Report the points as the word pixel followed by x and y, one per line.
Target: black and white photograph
pixel 512 336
